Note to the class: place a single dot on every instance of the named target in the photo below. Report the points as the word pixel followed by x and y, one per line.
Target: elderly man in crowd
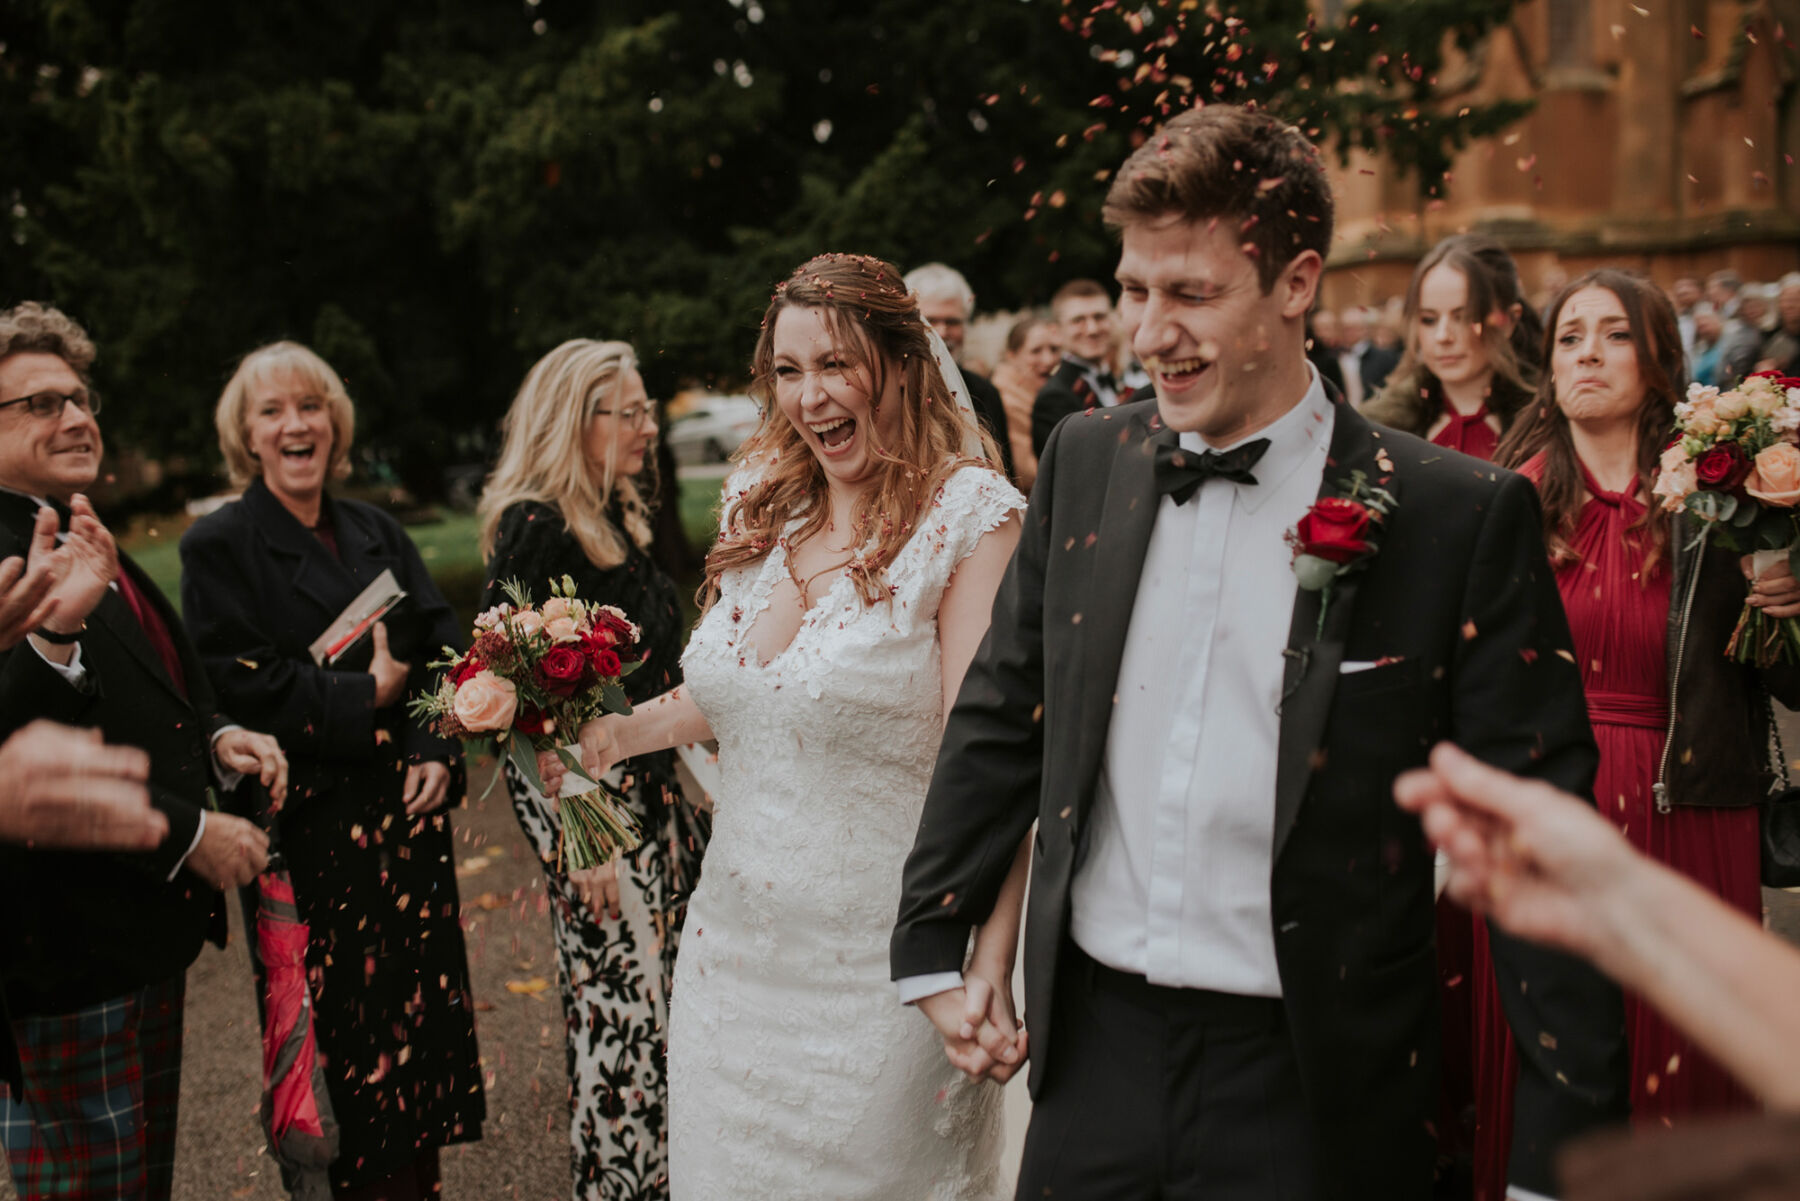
pixel 947 302
pixel 94 949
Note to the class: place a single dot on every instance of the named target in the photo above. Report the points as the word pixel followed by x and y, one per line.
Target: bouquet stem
pixel 596 825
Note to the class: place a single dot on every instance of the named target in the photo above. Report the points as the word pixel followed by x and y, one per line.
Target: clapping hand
pixel 26 582
pixel 89 563
pixel 67 789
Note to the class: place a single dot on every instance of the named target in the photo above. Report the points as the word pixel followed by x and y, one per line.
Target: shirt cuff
pixel 917 988
pixel 199 829
pixel 1515 1193
pixel 72 671
pixel 228 779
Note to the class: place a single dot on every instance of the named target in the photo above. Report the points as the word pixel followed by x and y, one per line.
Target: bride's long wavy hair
pixel 876 328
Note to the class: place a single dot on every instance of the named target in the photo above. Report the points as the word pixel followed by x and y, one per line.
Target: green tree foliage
pixel 433 194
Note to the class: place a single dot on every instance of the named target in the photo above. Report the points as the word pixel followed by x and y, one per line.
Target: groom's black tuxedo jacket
pixel 1460 606
pixel 77 928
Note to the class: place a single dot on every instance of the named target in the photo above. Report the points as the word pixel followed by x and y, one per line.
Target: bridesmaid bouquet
pixel 1735 465
pixel 533 675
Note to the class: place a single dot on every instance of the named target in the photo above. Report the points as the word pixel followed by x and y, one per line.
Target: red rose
pixel 613 624
pixel 1784 382
pixel 561 669
pixel 1722 468
pixel 1333 530
pixel 466 667
pixel 531 721
pixel 598 647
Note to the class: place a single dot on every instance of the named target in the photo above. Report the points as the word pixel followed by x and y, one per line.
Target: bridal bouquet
pixel 534 674
pixel 1735 465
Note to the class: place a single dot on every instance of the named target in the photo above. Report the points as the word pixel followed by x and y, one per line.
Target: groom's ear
pixel 1298 284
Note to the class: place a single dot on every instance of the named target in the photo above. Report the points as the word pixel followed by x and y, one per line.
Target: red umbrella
pixel 296 1109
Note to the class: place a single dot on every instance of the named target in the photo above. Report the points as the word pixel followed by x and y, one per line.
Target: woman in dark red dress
pixel 1473 349
pixel 1684 792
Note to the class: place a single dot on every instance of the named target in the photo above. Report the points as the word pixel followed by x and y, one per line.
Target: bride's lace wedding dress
pixel 793 1069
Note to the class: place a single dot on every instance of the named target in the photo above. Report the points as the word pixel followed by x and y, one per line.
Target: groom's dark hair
pixel 1224 162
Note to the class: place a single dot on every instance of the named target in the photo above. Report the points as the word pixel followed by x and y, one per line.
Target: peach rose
pixel 485 702
pixel 563 629
pixel 556 608
pixel 527 622
pixel 1704 419
pixel 1775 480
pixel 1731 405
pixel 1675 484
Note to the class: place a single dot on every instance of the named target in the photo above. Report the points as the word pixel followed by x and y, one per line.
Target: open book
pixel 358 618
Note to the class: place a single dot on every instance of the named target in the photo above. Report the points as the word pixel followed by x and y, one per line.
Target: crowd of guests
pixel 215 748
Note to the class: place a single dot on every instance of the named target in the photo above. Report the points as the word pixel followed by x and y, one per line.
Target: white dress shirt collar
pixel 1292 437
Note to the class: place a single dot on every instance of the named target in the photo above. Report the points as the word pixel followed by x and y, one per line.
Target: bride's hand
pixel 988 1018
pixel 947 1011
pixel 599 751
pixel 600 745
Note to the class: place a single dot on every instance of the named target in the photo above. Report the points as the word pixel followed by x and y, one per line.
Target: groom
pixel 1230 973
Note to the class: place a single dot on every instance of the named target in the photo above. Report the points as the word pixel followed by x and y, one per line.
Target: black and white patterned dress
pixel 614 975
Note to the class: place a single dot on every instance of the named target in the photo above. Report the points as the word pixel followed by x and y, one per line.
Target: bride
pixel 861 543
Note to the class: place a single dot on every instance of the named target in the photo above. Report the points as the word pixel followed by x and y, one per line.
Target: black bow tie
pixel 1180 472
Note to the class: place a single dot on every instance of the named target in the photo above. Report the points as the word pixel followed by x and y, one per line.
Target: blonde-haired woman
pixel 563 500
pixel 862 541
pixel 365 831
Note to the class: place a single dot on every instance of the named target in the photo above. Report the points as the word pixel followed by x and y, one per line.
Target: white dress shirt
pixel 1174 881
pixel 1174 884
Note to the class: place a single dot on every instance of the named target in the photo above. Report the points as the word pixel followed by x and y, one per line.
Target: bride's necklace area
pixel 803 586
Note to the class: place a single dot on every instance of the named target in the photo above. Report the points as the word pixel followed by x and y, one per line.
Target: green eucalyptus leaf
pixel 614 698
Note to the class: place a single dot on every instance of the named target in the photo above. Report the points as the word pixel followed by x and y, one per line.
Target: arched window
pixel 1571 27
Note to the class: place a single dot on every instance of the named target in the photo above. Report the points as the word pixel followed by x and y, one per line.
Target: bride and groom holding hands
pixel 1230 973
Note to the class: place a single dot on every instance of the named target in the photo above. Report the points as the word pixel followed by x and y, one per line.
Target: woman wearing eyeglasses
pixel 564 500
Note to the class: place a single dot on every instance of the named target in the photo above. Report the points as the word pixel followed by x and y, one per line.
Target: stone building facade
pixel 1664 139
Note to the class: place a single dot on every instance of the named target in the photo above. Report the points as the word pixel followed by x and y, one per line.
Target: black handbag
pixel 1780 815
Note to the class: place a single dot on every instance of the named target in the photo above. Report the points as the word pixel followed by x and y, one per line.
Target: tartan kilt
pixel 102 1086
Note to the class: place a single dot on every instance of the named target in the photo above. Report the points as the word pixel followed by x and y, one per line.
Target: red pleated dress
pixel 1472 435
pixel 1620 622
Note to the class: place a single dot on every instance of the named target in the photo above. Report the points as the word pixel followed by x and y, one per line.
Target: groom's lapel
pixel 1127 516
pixel 1312 657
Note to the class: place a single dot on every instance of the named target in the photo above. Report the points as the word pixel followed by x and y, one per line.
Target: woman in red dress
pixel 1684 791
pixel 1473 349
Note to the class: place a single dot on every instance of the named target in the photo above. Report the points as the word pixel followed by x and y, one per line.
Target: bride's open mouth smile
pixel 835 435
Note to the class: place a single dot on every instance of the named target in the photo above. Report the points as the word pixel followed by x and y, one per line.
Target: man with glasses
pixel 94 950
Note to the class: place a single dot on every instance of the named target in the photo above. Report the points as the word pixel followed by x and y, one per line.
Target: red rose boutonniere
pixel 1338 535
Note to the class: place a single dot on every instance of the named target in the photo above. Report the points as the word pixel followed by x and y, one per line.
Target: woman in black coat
pixel 365 830
pixel 562 501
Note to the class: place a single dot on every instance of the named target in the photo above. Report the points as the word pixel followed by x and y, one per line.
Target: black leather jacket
pixel 1715 753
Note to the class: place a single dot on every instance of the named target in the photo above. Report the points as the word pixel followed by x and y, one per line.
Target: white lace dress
pixel 793 1069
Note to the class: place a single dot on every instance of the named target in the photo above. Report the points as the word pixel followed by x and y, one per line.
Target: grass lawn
pixel 448 546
